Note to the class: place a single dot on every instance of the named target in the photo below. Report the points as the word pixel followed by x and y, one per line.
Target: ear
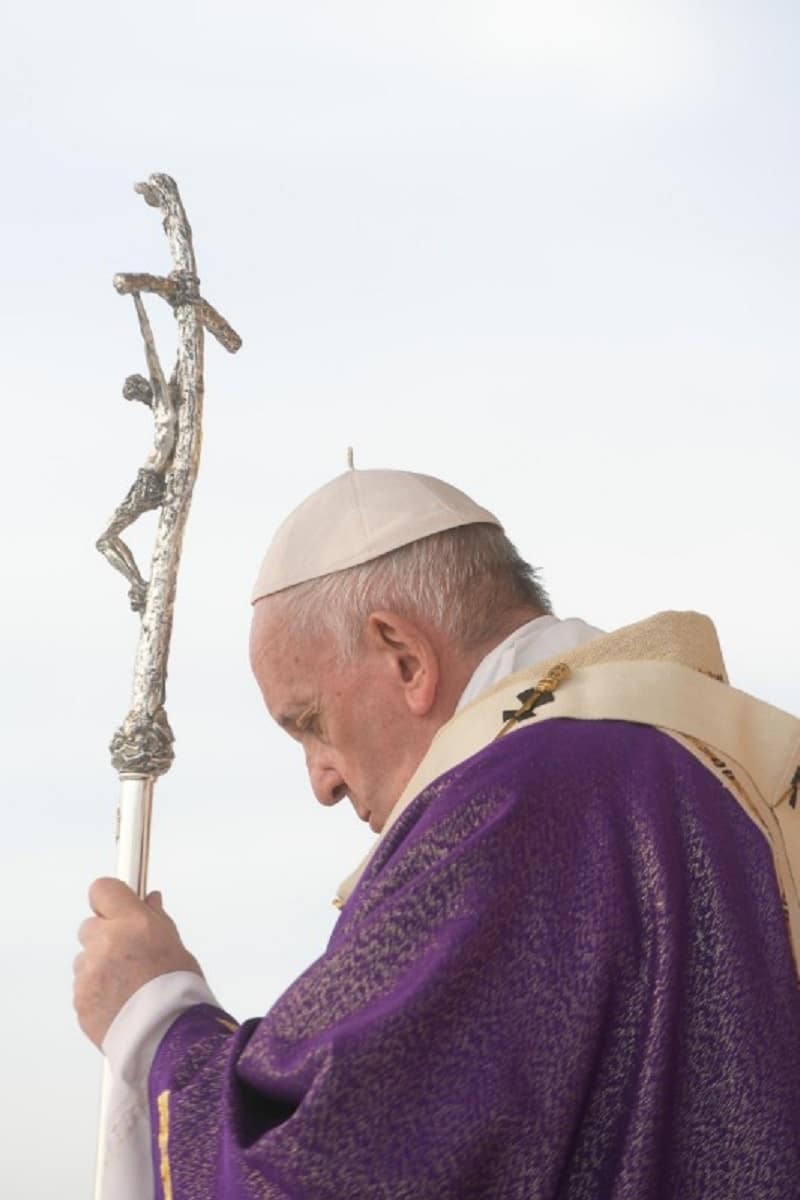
pixel 409 655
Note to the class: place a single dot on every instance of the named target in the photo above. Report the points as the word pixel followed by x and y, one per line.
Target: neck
pixel 459 665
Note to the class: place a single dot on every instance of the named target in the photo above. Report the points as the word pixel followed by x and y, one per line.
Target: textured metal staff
pixel 141 749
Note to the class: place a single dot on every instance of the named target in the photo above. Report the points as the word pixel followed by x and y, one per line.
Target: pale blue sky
pixel 548 251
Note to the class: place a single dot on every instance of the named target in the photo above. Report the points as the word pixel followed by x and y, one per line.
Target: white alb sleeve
pixel 130 1047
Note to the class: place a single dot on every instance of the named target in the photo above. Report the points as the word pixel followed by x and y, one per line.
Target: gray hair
pixel 463 581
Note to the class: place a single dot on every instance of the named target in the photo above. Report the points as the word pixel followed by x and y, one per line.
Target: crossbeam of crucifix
pixel 173 288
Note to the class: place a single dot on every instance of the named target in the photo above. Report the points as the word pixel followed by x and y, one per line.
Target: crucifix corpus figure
pixel 148 489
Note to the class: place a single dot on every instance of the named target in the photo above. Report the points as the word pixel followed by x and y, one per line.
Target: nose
pixel 327 784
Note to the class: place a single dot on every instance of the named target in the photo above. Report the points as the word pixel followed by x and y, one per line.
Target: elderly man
pixel 567 968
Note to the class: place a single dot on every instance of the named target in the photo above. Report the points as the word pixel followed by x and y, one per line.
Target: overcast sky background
pixel 547 251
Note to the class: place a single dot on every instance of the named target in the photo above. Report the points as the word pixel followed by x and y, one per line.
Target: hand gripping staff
pixel 141 749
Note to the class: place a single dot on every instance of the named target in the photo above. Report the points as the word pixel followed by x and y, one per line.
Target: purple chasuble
pixel 565 975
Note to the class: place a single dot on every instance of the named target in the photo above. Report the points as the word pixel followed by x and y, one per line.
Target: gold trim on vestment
pixel 165 1171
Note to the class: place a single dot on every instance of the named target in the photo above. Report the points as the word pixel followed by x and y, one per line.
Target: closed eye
pixel 298 723
pixel 308 720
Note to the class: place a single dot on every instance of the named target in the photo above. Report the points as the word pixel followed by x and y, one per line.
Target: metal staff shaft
pixel 141 749
pixel 133 838
pixel 133 850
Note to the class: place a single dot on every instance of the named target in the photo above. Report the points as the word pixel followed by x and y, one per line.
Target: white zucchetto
pixel 358 517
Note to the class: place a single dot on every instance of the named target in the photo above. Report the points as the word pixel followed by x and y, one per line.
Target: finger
pixel 112 897
pixel 155 903
pixel 88 930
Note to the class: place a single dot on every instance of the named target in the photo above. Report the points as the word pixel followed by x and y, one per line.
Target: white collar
pixel 533 642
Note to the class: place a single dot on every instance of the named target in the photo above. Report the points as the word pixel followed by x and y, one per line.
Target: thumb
pixel 154 900
pixel 110 897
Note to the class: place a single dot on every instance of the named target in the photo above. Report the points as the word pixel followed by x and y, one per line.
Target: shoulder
pixel 563 800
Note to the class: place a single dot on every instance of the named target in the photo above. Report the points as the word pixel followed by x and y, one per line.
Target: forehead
pixel 289 669
pixel 274 648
